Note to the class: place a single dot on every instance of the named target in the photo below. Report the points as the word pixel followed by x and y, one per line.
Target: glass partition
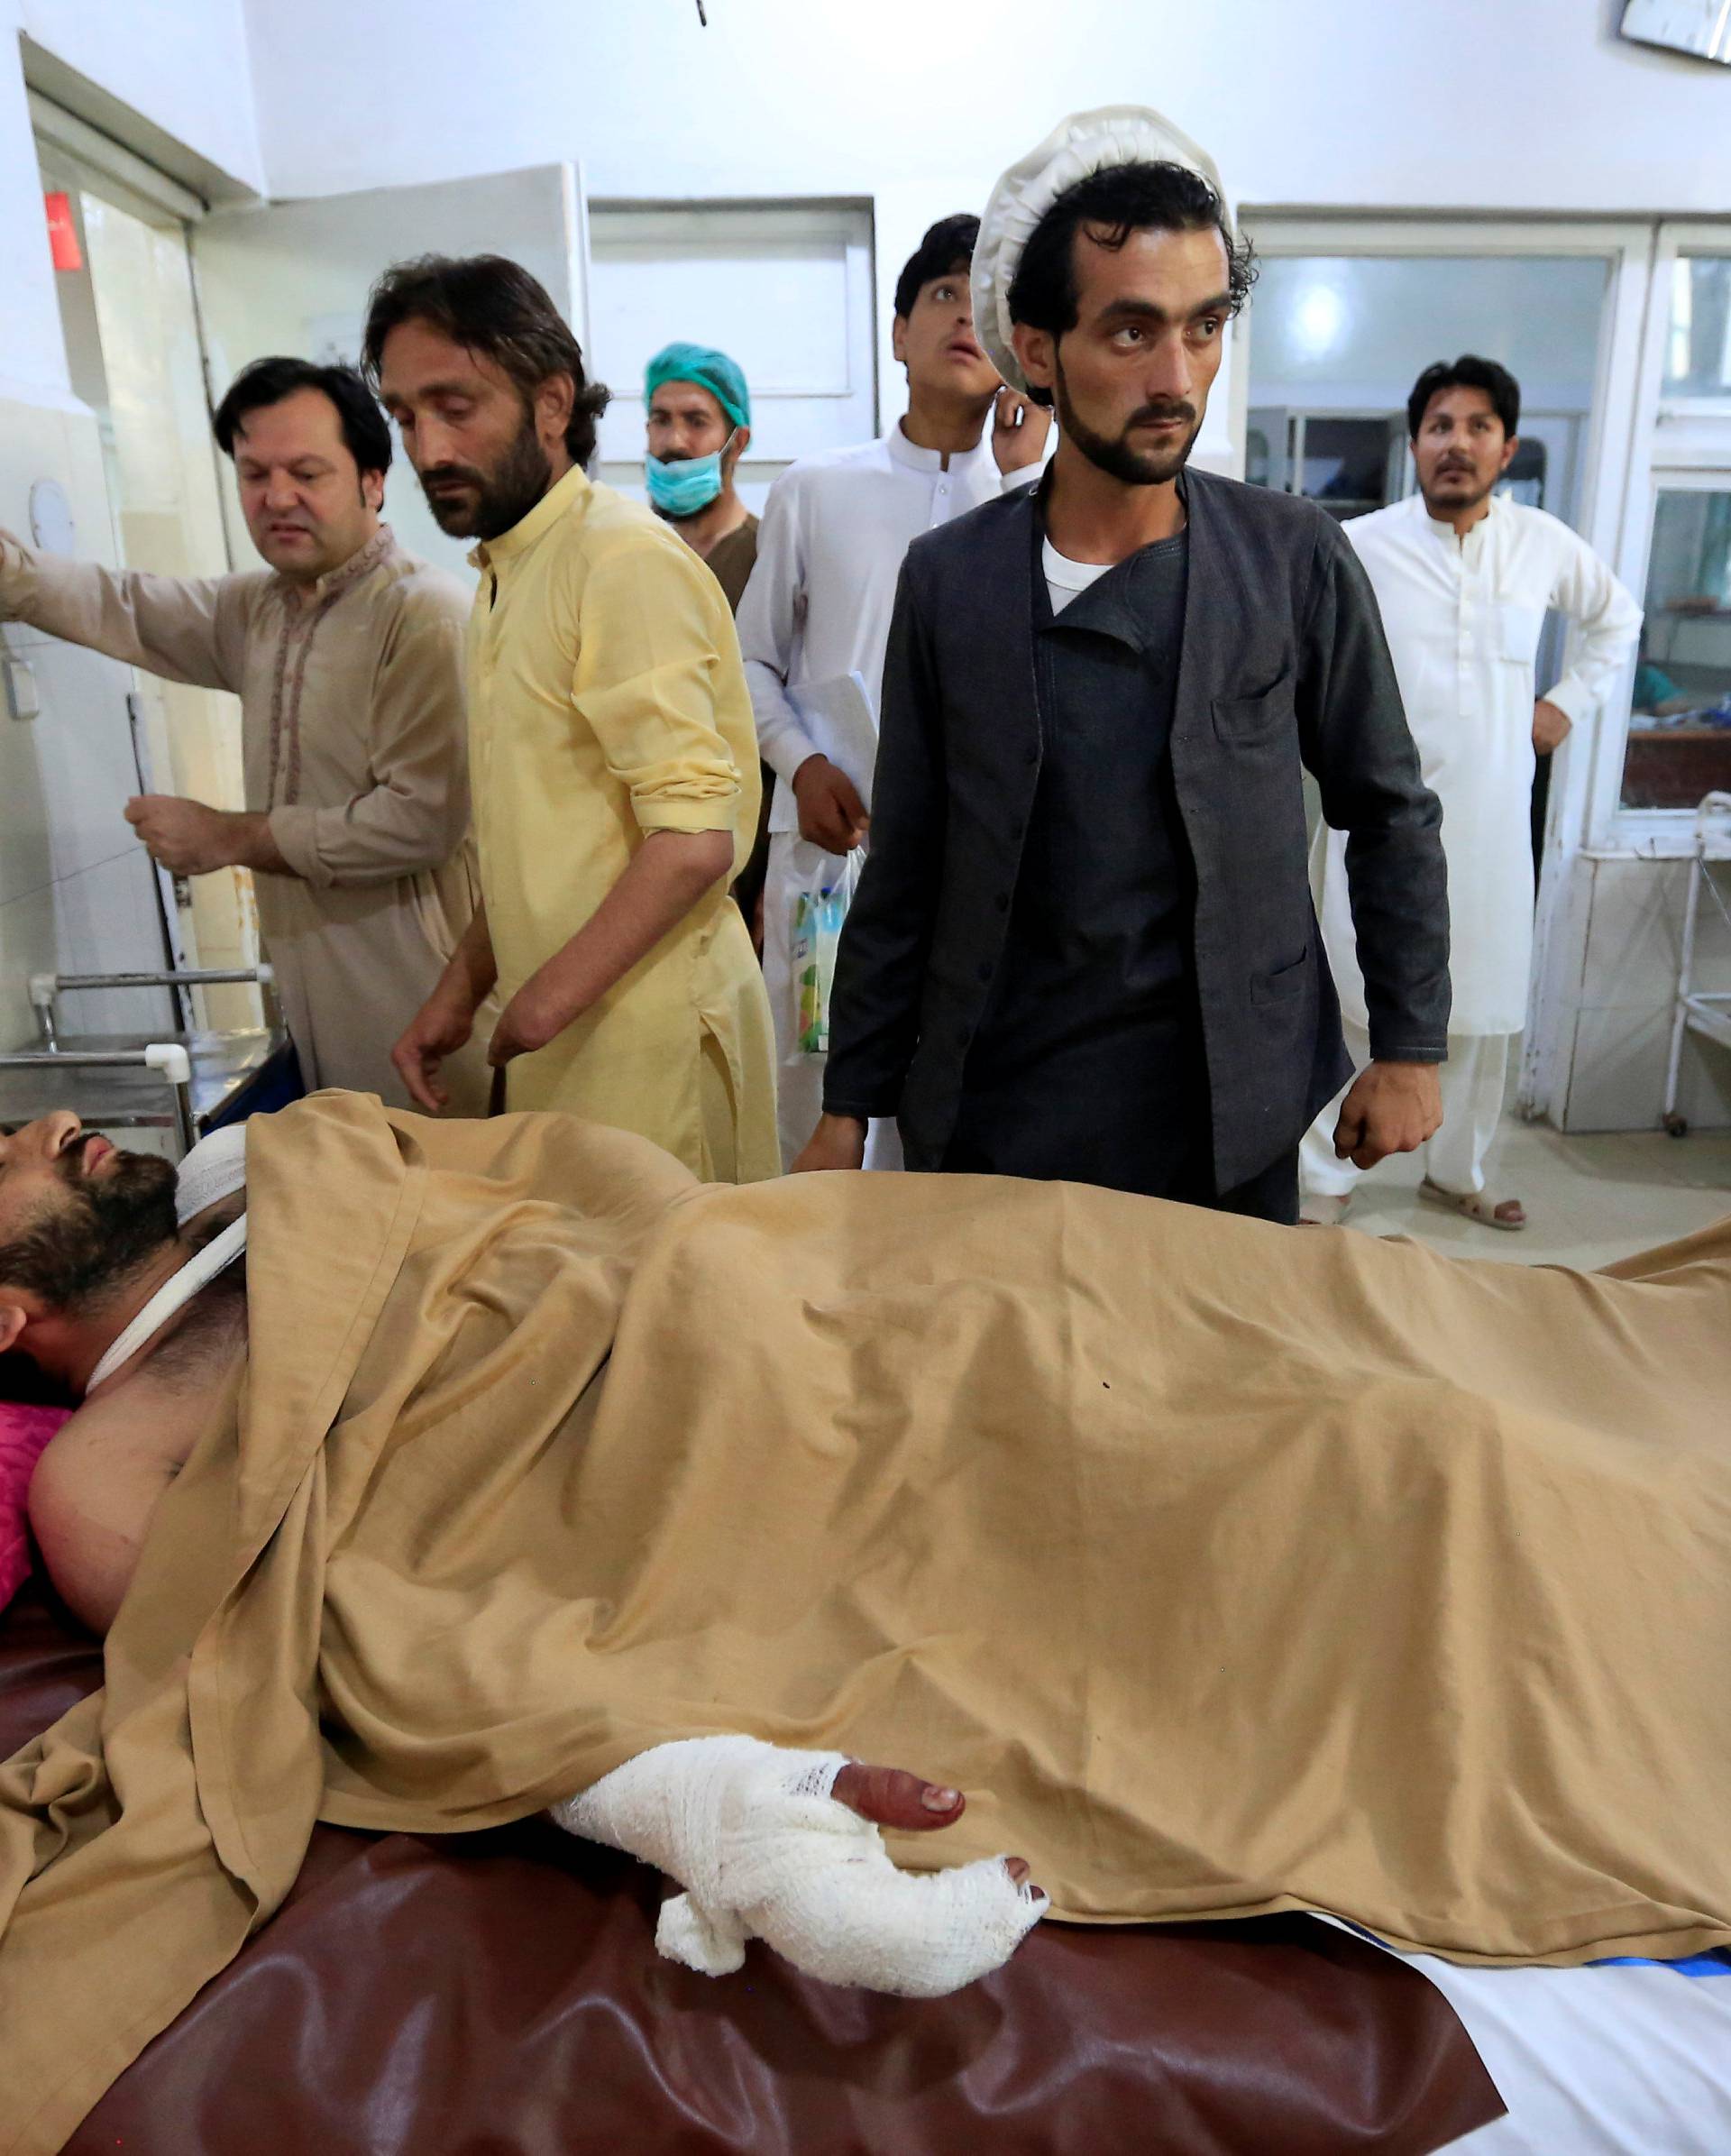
pixel 1698 344
pixel 1680 728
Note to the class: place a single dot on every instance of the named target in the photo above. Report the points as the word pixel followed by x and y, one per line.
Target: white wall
pixel 32 355
pixel 75 886
pixel 1614 970
pixel 181 67
pixel 1382 102
pixel 916 105
pixel 154 72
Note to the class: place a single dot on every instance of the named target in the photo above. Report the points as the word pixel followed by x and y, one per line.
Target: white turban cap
pixel 1117 134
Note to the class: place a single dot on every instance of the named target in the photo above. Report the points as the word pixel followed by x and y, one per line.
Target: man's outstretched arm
pixel 185 628
pixel 662 881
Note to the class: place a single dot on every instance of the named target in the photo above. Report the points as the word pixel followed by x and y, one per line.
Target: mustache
pixel 70 1161
pixel 440 474
pixel 1149 414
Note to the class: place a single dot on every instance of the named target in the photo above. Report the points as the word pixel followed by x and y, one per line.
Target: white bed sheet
pixel 1619 2058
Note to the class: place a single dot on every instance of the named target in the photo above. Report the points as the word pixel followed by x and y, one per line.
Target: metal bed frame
pixel 1697 1012
pixel 176 1081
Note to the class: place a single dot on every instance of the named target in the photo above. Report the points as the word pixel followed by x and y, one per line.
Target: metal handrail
pixel 186 977
pixel 44 987
pixel 169 1058
pixel 1694 1010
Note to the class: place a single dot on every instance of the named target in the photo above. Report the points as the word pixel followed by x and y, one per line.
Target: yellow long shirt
pixel 607 701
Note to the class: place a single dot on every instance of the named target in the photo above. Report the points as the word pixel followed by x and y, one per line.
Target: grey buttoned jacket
pixel 1284 668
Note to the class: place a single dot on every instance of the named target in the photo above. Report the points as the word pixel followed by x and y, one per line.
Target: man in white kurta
pixel 818 607
pixel 1464 578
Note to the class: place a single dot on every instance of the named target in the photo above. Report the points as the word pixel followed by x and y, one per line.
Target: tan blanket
pixel 1227 1568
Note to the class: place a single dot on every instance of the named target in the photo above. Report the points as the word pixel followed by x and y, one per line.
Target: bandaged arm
pixel 763 1849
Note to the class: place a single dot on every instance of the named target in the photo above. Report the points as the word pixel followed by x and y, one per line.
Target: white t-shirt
pixel 1065 578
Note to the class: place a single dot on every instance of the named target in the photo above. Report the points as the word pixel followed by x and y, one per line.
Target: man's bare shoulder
pixel 104 1472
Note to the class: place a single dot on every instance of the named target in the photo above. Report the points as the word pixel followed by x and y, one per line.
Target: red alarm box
pixel 62 233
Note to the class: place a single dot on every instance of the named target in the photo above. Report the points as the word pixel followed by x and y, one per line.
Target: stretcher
pixel 185 1081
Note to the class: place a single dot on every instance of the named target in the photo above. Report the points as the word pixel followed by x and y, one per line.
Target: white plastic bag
pixel 818 907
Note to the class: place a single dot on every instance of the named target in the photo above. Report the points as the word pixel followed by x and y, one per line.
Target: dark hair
pixel 23 1385
pixel 269 380
pixel 1119 199
pixel 492 306
pixel 949 244
pixel 1467 373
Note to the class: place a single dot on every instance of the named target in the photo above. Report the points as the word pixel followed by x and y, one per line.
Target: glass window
pixel 1680 732
pixel 1698 350
pixel 1346 464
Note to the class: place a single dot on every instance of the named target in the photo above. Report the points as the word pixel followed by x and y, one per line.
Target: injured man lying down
pixel 1209 1567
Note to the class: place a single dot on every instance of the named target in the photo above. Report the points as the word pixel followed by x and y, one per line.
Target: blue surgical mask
pixel 682 487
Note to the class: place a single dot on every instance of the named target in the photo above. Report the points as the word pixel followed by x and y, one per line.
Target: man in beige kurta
pixel 1226 1572
pixel 347 658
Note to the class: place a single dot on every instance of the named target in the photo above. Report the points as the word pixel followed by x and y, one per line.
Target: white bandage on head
pixel 213 1170
pixel 1116 134
pixel 764 1851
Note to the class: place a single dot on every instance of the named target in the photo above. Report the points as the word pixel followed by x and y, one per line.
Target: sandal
pixel 1475 1204
pixel 1325 1210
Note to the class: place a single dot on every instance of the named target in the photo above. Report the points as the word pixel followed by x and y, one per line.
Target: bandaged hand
pixel 765 1851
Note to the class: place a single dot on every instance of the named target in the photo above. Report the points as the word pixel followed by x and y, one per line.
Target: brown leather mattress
pixel 499 1994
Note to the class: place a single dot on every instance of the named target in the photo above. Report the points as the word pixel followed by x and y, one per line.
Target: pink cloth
pixel 24 1431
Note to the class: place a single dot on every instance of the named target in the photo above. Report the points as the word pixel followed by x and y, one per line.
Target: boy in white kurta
pixel 1464 579
pixel 829 551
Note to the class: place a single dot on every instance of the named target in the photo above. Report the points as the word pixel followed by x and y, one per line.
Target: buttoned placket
pixel 481 745
pixel 301 618
pixel 300 622
pixel 1467 558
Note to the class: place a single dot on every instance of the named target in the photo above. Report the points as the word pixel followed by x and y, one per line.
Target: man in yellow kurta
pixel 613 751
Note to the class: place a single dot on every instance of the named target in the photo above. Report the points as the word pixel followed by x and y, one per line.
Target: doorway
pixel 1349 312
pixel 783 287
pixel 130 321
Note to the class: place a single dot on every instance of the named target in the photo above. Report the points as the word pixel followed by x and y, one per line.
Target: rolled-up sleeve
pixel 412 817
pixel 656 642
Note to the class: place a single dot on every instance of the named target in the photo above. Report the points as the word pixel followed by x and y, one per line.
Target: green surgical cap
pixel 711 370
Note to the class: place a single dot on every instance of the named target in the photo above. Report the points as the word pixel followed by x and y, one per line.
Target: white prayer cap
pixel 1117 134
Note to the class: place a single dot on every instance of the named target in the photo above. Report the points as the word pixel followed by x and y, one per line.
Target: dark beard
pixel 503 497
pixel 1135 467
pixel 1446 510
pixel 78 1255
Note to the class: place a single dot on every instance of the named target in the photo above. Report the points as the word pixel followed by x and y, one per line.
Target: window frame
pixel 1680 444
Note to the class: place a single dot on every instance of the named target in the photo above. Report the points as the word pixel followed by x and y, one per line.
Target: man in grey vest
pixel 1083 947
